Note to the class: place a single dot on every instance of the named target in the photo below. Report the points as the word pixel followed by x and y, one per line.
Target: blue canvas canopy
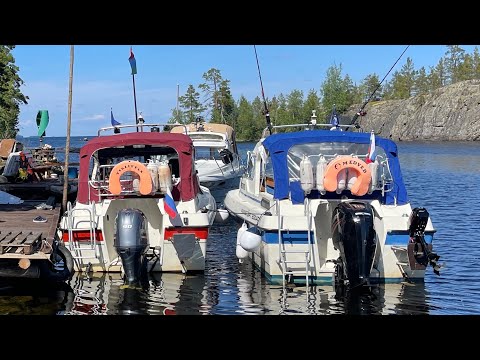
pixel 278 146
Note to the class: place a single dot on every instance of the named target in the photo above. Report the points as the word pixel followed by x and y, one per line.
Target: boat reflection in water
pixel 399 298
pixel 163 294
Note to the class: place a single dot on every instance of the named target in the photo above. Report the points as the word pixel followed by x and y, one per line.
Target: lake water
pixel 443 177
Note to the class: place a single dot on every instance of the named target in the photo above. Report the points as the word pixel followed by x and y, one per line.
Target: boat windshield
pixel 205 137
pixel 207 153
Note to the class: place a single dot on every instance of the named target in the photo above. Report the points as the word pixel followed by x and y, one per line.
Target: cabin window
pixel 207 153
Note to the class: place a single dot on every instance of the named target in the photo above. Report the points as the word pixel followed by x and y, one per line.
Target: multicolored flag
pixel 133 62
pixel 171 209
pixel 372 153
pixel 112 119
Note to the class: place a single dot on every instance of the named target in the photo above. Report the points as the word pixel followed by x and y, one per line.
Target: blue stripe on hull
pixel 290 237
pixel 402 238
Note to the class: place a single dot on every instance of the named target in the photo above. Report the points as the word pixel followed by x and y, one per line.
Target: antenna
pixel 266 111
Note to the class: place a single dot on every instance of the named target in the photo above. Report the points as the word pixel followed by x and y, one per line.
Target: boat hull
pixel 392 262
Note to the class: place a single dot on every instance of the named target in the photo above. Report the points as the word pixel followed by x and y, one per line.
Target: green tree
pixel 177 117
pixel 295 106
pixel 311 103
pixel 10 95
pixel 226 103
pixel 190 102
pixel 466 69
pixel 368 86
pixel 211 90
pixel 437 76
pixel 245 117
pixel 336 90
pixel 453 58
pixel 422 84
pixel 476 63
pixel 403 81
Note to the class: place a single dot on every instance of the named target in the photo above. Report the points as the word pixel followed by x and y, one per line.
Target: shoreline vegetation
pixel 434 104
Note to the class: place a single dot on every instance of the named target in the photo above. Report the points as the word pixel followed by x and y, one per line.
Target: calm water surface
pixel 443 177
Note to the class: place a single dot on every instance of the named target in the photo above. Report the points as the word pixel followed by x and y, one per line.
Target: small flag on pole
pixel 112 119
pixel 334 117
pixel 133 62
pixel 372 153
pixel 171 209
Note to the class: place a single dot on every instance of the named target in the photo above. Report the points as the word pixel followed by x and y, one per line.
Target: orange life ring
pixel 362 170
pixel 145 185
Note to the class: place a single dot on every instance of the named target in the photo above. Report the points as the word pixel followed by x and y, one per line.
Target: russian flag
pixel 372 153
pixel 133 62
pixel 171 209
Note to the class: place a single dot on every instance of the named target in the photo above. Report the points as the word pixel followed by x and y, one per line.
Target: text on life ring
pixel 362 170
pixel 145 184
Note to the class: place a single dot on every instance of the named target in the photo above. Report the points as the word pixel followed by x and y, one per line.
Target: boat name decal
pixel 346 163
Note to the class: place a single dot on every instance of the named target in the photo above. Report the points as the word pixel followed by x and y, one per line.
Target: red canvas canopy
pixel 182 144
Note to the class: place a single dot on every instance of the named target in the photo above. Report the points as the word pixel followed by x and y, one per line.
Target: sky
pixel 102 77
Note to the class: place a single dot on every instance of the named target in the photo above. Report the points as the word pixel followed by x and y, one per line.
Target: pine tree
pixel 211 90
pixel 453 58
pixel 10 95
pixel 190 102
pixel 422 84
pixel 311 103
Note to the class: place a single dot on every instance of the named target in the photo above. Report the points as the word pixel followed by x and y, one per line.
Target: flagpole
pixel 69 122
pixel 135 100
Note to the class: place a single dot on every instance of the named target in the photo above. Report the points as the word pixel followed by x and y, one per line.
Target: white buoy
pixel 306 175
pixel 239 251
pixel 249 240
pixel 321 167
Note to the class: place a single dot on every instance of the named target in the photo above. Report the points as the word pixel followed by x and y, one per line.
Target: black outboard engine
pixel 421 250
pixel 131 243
pixel 354 236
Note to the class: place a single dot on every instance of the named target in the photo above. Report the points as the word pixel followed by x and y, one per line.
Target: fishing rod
pixel 355 117
pixel 266 112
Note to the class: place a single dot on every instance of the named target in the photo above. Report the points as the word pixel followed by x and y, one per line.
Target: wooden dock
pixel 20 237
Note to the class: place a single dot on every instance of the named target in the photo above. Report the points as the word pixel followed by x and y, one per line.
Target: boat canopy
pixel 205 128
pixel 182 144
pixel 279 145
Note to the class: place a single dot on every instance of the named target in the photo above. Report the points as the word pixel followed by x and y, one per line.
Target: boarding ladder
pixel 83 250
pixel 294 267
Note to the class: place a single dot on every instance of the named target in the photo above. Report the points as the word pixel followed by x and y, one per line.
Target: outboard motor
pixel 354 237
pixel 131 243
pixel 422 251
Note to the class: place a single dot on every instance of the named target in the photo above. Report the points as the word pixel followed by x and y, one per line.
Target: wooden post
pixel 67 145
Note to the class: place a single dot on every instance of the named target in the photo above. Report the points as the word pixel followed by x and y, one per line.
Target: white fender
pixel 321 166
pixel 249 240
pixel 164 177
pixel 342 180
pixel 306 175
pixel 241 252
pixel 153 170
pixel 351 178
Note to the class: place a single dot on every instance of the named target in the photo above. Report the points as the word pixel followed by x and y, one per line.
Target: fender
pixel 145 185
pixel 359 167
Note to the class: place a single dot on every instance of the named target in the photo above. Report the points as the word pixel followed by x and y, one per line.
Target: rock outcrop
pixel 451 113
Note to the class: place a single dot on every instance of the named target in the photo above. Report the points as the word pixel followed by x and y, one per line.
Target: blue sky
pixel 102 77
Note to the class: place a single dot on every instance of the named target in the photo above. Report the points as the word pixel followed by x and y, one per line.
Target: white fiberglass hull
pixel 260 213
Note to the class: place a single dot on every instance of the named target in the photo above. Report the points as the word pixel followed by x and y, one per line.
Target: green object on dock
pixel 42 122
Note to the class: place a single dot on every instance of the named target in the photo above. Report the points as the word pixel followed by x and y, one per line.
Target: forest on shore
pixel 212 99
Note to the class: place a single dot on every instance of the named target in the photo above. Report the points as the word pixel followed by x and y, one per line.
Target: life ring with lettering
pixel 145 180
pixel 359 167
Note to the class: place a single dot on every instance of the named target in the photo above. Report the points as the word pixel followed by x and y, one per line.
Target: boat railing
pixel 139 127
pixel 311 126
